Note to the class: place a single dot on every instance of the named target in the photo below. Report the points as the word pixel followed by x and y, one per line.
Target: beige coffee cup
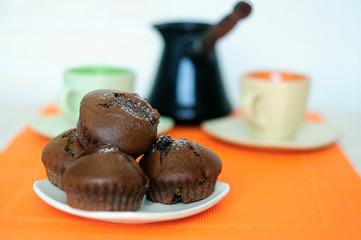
pixel 81 80
pixel 274 102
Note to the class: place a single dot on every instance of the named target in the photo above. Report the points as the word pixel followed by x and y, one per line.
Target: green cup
pixel 81 80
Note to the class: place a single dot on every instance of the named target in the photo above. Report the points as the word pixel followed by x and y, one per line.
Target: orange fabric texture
pixel 273 195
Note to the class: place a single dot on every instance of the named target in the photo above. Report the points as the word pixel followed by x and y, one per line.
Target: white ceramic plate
pixel 235 130
pixel 51 126
pixel 148 213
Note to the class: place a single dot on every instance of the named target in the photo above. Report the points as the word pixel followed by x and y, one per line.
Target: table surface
pixel 274 195
pixel 12 121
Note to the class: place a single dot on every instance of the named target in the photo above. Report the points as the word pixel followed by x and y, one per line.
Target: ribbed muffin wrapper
pixel 170 193
pixel 105 197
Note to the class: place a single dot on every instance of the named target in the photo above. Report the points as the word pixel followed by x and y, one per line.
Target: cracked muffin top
pixel 122 119
pixel 180 170
pixel 62 150
pixel 183 159
pixel 59 153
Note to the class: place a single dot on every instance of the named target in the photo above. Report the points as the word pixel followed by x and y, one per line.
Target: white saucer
pixel 311 135
pixel 51 126
pixel 148 213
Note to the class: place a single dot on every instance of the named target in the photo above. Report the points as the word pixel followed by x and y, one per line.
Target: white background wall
pixel 39 39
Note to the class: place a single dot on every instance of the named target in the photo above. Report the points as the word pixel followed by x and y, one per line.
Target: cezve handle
pixel 209 38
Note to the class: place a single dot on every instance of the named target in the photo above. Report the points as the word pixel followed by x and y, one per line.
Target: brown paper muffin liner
pixel 170 193
pixel 105 197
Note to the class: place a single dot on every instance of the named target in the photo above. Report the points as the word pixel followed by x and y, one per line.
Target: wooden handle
pixel 240 11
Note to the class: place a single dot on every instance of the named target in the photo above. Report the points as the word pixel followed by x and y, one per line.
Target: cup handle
pixel 64 101
pixel 249 105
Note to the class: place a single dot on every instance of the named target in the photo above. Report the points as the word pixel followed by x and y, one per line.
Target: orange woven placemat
pixel 274 195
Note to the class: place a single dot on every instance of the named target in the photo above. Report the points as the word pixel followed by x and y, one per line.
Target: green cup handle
pixel 67 102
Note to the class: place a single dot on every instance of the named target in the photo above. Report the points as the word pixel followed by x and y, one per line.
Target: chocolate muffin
pixel 122 119
pixel 58 154
pixel 180 170
pixel 108 181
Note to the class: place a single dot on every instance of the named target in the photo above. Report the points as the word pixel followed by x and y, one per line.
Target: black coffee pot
pixel 188 86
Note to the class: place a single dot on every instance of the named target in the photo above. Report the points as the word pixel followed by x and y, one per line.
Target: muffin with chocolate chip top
pixel 105 181
pixel 58 154
pixel 180 170
pixel 122 119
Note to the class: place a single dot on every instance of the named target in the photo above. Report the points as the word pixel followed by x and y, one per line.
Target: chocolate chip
pixel 163 142
pixel 177 198
pixel 108 105
pixel 163 145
